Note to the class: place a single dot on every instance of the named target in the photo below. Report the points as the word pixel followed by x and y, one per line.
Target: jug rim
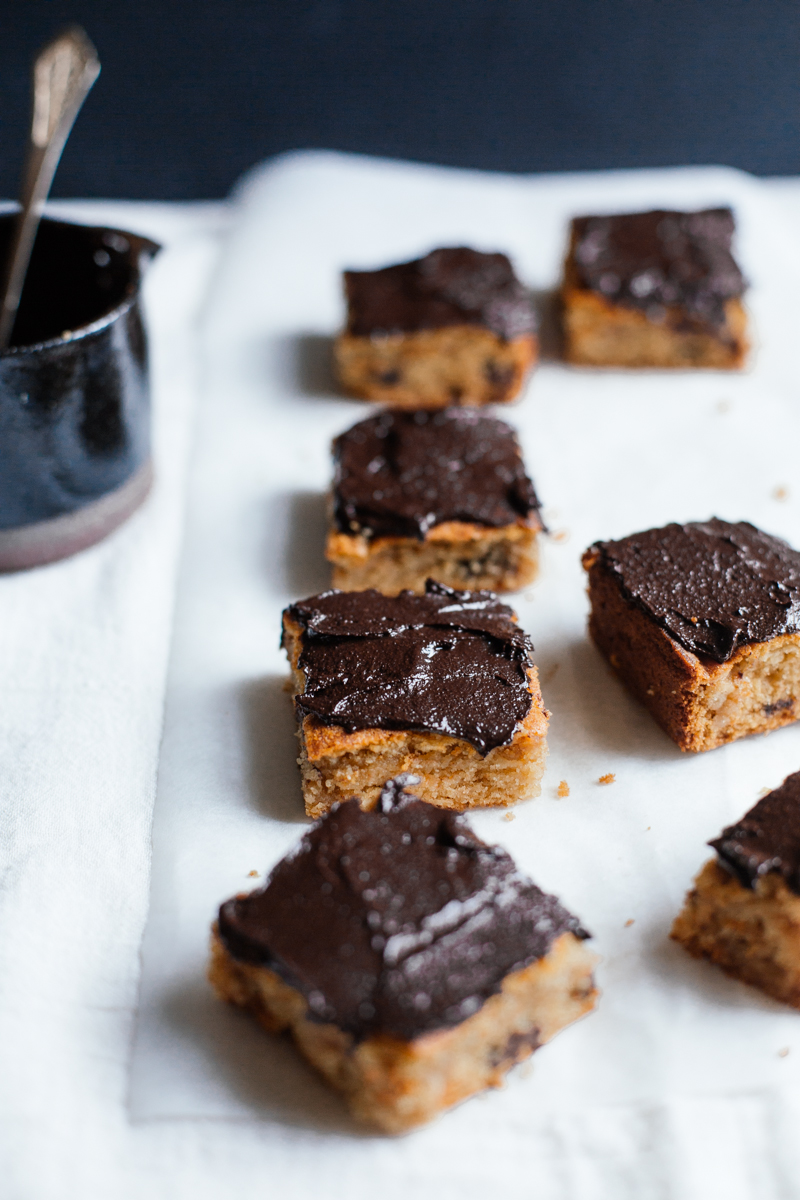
pixel 143 247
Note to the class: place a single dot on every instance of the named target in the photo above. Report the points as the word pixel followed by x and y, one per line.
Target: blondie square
pixel 412 964
pixel 440 685
pixel 454 327
pixel 654 289
pixel 702 623
pixel 744 910
pixel 432 495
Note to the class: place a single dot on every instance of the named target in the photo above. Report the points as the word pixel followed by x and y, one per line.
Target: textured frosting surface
pixel 654 260
pixel 447 662
pixel 455 286
pixel 401 473
pixel 714 586
pixel 767 839
pixel 396 921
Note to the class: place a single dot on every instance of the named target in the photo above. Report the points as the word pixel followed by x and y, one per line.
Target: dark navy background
pixel 193 92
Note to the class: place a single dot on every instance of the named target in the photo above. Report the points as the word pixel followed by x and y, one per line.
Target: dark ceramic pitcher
pixel 74 394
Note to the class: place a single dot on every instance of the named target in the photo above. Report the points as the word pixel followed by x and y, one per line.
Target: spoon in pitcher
pixel 63 75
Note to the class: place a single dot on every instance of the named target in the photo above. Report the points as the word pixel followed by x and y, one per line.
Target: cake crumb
pixel 560 535
pixel 629 922
pixel 782 1053
pixel 509 817
pixel 780 493
pixel 252 874
pixel 648 829
pixel 607 778
pixel 563 789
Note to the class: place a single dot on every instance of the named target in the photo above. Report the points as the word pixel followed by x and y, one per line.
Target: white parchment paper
pixel 674 1043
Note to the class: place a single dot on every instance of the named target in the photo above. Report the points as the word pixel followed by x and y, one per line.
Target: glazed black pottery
pixel 74 394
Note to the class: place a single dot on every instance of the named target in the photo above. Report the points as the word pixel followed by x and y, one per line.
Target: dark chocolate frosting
pixel 447 662
pixel 447 287
pixel 401 473
pixel 397 921
pixel 767 839
pixel 655 260
pixel 713 585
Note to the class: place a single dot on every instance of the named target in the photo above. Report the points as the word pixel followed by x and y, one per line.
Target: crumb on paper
pixel 782 1053
pixel 780 493
pixel 563 789
pixel 609 778
pixel 723 406
pixel 508 817
pixel 648 829
pixel 629 922
pixel 252 874
pixel 560 535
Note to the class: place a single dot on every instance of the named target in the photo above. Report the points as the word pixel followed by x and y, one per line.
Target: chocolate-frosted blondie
pixel 412 964
pixel 441 495
pixel 654 289
pixel 454 327
pixel 702 623
pixel 744 910
pixel 441 685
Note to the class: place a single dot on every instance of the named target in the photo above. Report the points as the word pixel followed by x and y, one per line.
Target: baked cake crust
pixel 701 703
pixel 397 1085
pixel 600 334
pixel 454 327
pixel 406 1000
pixel 744 910
pixel 460 554
pixel 454 773
pixel 752 934
pixel 633 296
pixel 434 368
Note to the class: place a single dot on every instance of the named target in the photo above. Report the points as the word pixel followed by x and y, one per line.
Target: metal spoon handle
pixel 63 75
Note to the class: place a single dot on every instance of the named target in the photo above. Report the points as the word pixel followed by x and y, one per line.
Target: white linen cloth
pixel 84 647
pixel 676 1087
